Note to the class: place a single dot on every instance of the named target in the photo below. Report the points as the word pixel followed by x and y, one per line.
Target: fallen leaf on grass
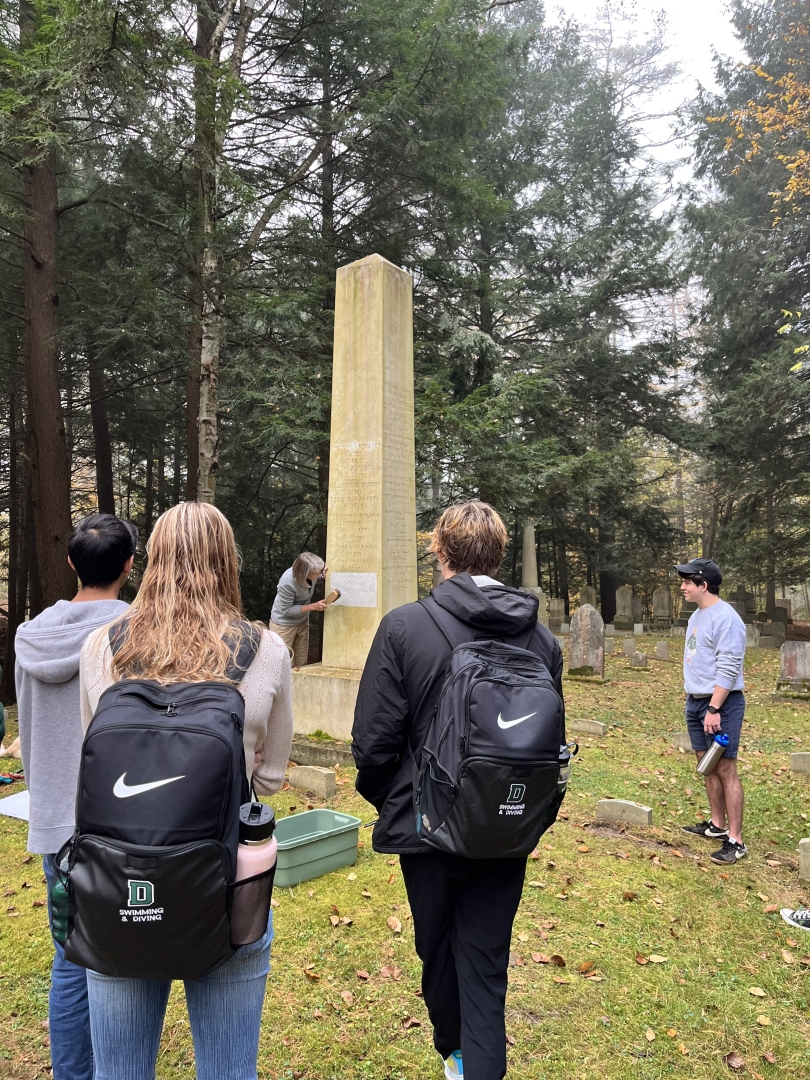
pixel 793 944
pixel 334 920
pixel 363 975
pixel 510 1039
pixel 523 936
pixel 557 960
pixel 394 924
pixel 641 959
pixel 351 877
pixel 677 854
pixel 347 996
pixel 599 922
pixel 38 903
pixel 557 979
pixel 410 1022
pixel 391 878
pixel 629 896
pixel 516 961
pixel 763 897
pixel 787 956
pixel 540 958
pixel 649 1034
pixel 366 893
pixel 27 859
pixel 734 1061
pixel 313 976
pixel 682 1049
pixel 773 862
pixel 764 1021
pixel 770 909
pixel 586 966
pixel 757 991
pixel 318 1014
pixel 770 1057
pixel 671 1032
pixel 655 959
pixel 583 848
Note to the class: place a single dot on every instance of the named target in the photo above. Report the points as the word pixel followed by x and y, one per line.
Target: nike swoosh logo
pixel 511 723
pixel 124 791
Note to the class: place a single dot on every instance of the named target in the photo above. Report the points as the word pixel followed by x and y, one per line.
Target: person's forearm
pixel 719 696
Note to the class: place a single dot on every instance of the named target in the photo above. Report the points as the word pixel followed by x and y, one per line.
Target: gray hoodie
pixel 47 676
pixel 290 598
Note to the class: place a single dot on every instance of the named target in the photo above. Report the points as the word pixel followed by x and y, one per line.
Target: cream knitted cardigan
pixel 266 687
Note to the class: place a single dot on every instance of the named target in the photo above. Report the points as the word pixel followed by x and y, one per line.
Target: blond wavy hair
pixel 185 622
pixel 470 538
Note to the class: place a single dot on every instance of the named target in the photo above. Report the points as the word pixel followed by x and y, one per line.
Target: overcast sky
pixel 696 29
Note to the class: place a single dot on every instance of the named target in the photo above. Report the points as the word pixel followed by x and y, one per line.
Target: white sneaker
pixel 453 1067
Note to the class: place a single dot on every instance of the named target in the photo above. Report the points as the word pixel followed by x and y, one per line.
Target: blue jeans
pixel 68 1011
pixel 224 1009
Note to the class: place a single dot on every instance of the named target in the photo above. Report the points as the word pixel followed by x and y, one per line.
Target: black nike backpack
pixel 151 864
pixel 494 764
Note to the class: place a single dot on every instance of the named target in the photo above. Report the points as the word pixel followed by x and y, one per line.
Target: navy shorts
pixel 732 712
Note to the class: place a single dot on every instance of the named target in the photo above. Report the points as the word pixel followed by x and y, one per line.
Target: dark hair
pixel 698 579
pixel 99 547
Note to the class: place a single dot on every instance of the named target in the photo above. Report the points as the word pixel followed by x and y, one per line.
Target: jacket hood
pixel 49 647
pixel 497 608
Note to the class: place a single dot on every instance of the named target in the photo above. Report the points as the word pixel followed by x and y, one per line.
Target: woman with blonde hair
pixel 186 626
pixel 293 603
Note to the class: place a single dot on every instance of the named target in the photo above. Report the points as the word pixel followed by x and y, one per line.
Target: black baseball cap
pixel 708 570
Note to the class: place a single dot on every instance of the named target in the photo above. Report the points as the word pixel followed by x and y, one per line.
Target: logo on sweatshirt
pixel 691 647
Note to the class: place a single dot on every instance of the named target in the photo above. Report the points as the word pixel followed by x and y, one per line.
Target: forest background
pixel 599 349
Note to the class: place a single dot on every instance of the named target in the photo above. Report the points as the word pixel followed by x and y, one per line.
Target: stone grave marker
pixel 587 652
pixel 609 646
pixel 371 548
pixel 794 670
pixel 638 609
pixel 800 763
pixel 804 859
pixel 565 628
pixel 681 741
pixel 685 611
pixel 624 810
pixel 662 608
pixel 772 635
pixel 313 778
pixel 639 660
pixel 610 629
pixel 786 606
pixel 586 727
pixel 662 650
pixel 629 646
pixel 587 595
pixel 624 608
pixel 638 629
pixel 530 579
pixel 556 612
pixel 751 636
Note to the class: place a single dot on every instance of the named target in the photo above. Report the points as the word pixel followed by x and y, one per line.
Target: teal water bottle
pixel 60 902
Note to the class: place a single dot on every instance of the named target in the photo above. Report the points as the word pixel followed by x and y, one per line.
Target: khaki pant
pixel 296 638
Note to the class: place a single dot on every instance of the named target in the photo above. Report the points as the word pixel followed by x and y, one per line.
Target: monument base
pixel 323 699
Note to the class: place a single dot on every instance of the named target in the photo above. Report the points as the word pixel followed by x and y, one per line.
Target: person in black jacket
pixel 463 909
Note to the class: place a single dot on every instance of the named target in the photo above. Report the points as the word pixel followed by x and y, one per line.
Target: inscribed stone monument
pixel 371 549
pixel 530 578
pixel 624 608
pixel 587 653
pixel 662 608
pixel 587 595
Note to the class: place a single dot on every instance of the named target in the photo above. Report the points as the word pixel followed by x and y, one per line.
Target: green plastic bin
pixel 314 843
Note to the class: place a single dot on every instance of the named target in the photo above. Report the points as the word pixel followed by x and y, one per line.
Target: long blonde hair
pixel 185 621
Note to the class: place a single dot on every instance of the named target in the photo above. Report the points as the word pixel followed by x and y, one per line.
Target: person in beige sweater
pixel 185 626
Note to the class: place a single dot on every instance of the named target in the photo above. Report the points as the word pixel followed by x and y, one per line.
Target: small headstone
pixel 608 646
pixel 556 612
pixel 751 636
pixel 662 608
pixel 312 778
pixel 639 660
pixel 786 606
pixel 587 654
pixel 772 635
pixel 800 763
pixel 638 629
pixel 629 646
pixel 794 669
pixel 762 616
pixel 610 630
pixel 780 614
pixel 804 859
pixel 586 727
pixel 565 628
pixel 685 611
pixel 623 810
pixel 561 642
pixel 662 650
pixel 623 619
pixel 681 740
pixel 587 595
pixel 677 631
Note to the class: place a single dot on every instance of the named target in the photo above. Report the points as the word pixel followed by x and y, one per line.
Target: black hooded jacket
pixel 404 673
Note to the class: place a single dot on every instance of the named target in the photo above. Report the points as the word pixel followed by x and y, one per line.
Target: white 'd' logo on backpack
pixel 124 791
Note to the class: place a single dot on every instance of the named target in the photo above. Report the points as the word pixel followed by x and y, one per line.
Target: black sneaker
pixel 730 852
pixel 706 828
pixel 800 919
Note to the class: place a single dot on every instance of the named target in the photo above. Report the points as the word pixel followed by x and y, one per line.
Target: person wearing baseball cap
pixel 713 680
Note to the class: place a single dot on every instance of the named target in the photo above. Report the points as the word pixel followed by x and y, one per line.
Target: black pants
pixel 463 910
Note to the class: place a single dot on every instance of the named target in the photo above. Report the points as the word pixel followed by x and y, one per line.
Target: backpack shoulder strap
pixel 244 646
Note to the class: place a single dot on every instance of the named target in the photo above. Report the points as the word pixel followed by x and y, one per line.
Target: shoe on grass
pixel 800 919
pixel 731 852
pixel 707 829
pixel 453 1068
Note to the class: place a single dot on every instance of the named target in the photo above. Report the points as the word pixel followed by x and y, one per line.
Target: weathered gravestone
pixel 638 610
pixel 794 669
pixel 662 608
pixel 530 579
pixel 662 650
pixel 371 548
pixel 639 660
pixel 787 607
pixel 623 810
pixel 772 635
pixel 800 763
pixel 609 646
pixel 629 646
pixel 587 652
pixel 780 614
pixel 685 611
pixel 744 603
pixel 751 636
pixel 804 859
pixel 624 608
pixel 587 595
pixel 556 612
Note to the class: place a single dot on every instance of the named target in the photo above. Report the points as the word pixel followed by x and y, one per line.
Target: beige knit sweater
pixel 266 687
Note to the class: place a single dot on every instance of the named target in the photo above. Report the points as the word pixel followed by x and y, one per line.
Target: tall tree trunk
pixel 15 615
pixel 562 563
pixel 50 471
pixel 161 478
pixel 770 568
pixel 607 582
pixel 36 602
pixel 193 389
pixel 149 492
pixel 101 435
pixel 177 466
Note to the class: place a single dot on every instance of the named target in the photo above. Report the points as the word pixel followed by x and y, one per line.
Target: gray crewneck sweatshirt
pixel 714 650
pixel 289 600
pixel 47 675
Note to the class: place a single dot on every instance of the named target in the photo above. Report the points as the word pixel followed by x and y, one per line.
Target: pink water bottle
pixel 257 844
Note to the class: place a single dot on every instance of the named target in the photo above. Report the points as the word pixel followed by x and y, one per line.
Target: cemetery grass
pixel 661 947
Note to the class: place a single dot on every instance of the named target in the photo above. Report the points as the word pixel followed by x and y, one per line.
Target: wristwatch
pixel 713 710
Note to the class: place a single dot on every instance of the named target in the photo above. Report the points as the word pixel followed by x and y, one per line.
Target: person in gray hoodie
pixel 48 648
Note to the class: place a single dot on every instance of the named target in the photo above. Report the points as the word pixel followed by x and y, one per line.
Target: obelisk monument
pixel 371 524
